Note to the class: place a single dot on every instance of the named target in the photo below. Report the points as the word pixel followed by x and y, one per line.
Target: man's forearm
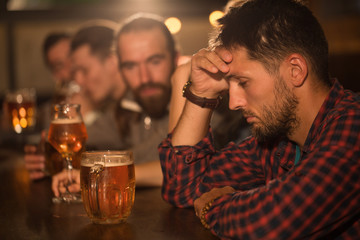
pixel 193 125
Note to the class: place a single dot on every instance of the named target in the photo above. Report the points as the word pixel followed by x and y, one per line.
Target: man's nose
pixel 78 77
pixel 237 98
pixel 144 74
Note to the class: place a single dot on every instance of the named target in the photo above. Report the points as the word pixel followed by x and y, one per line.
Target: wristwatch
pixel 203 102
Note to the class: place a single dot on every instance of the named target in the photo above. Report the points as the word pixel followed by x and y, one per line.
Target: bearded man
pixel 297 176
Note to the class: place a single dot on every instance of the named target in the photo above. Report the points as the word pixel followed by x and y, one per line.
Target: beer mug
pixel 107 180
pixel 21 109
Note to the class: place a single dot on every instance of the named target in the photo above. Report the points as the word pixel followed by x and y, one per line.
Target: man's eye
pixel 156 61
pixel 242 83
pixel 127 66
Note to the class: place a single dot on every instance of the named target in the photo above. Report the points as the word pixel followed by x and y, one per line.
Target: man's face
pixel 146 65
pixel 92 74
pixel 59 61
pixel 266 101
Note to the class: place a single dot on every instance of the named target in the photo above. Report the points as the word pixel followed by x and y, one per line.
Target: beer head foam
pixel 66 121
pixel 106 164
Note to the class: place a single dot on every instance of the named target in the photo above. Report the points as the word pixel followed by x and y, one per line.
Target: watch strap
pixel 203 102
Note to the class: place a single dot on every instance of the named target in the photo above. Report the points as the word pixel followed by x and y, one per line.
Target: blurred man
pixel 95 63
pixel 56 49
pixel 147 59
pixel 94 68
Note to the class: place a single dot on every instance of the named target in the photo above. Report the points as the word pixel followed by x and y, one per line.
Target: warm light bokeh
pixel 173 24
pixel 214 16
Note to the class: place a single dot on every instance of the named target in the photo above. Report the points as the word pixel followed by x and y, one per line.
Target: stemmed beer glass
pixel 67 134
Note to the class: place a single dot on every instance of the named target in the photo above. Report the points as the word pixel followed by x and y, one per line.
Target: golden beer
pixel 107 187
pixel 67 136
pixel 54 163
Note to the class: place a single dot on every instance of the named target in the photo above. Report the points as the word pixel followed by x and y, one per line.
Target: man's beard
pixel 154 106
pixel 279 119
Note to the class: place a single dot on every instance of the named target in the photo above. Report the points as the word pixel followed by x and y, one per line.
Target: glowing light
pixel 15 121
pixel 214 16
pixel 18 128
pixel 173 24
pixel 30 111
pixel 30 121
pixel 22 112
pixel 23 122
pixel 14 113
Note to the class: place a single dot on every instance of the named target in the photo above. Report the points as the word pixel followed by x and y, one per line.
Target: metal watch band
pixel 203 102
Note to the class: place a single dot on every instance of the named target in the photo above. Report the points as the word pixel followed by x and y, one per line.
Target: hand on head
pixel 208 69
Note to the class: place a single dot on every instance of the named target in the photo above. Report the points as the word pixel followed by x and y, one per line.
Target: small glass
pixel 107 180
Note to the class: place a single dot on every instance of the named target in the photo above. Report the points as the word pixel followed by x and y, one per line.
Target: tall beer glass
pixel 67 134
pixel 107 180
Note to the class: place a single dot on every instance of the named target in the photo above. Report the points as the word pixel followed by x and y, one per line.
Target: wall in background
pixel 3 60
pixel 342 30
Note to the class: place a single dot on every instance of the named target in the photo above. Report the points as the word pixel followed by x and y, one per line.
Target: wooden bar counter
pixel 27 212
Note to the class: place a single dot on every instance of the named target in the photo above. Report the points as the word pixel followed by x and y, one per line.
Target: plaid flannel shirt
pixel 319 197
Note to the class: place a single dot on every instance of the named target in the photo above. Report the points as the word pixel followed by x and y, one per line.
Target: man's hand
pixel 208 68
pixel 60 180
pixel 34 162
pixel 214 193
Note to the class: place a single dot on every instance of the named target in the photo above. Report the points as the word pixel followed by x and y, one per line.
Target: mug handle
pixel 94 176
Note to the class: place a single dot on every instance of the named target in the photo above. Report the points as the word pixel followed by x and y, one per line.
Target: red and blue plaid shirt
pixel 319 197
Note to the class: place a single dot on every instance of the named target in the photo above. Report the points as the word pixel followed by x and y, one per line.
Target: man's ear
pixel 298 69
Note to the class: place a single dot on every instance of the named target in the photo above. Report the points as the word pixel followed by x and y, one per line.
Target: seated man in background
pixel 94 68
pixel 298 175
pixel 56 48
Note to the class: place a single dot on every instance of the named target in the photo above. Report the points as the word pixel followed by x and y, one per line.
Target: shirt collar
pixel 335 94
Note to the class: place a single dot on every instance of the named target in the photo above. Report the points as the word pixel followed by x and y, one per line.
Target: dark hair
pixel 270 30
pixel 99 35
pixel 147 21
pixel 50 40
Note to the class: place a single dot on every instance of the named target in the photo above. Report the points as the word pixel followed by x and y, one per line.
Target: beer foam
pixel 66 121
pixel 108 164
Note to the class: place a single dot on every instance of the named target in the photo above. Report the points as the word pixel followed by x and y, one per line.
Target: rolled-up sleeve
pixel 182 168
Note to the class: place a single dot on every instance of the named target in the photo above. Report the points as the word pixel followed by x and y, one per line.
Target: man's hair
pixel 270 30
pixel 99 35
pixel 51 40
pixel 147 21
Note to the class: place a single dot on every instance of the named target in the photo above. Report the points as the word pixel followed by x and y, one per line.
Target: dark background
pixel 340 20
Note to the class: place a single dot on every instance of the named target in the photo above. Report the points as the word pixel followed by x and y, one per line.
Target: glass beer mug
pixel 107 180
